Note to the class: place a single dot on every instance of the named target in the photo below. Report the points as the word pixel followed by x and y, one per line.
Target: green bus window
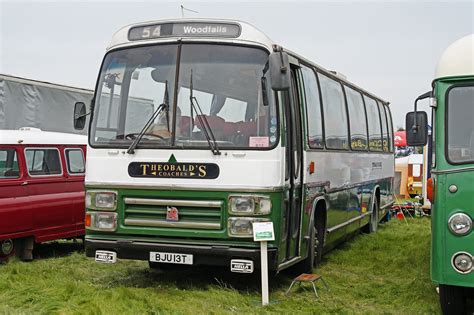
pixel 383 118
pixel 373 118
pixel 9 164
pixel 460 131
pixel 313 109
pixel 357 119
pixel 335 117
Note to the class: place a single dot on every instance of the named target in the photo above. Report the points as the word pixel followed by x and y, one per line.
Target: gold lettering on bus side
pixel 191 168
pixel 172 167
pixel 202 170
pixel 144 168
pixel 153 167
pixel 166 167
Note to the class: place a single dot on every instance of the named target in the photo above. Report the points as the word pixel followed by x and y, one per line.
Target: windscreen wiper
pixel 206 128
pixel 156 113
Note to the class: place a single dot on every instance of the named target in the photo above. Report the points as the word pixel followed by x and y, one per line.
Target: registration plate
pixel 171 258
pixel 105 256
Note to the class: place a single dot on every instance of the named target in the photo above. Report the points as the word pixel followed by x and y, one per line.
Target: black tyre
pixel 374 219
pixel 452 300
pixel 7 249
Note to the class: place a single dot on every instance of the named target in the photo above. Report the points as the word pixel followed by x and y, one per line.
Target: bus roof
pixel 29 135
pixel 458 59
pixel 248 34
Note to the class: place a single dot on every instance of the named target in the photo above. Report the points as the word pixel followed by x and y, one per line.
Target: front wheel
pixel 7 249
pixel 452 299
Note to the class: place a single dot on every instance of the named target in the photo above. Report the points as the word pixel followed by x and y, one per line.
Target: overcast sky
pixel 388 47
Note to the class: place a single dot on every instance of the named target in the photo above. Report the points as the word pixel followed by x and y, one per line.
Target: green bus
pixel 241 131
pixel 451 186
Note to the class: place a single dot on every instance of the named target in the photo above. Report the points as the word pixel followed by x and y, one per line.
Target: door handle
pixel 24 184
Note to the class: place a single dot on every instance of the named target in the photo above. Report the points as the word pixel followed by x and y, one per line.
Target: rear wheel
pixel 452 299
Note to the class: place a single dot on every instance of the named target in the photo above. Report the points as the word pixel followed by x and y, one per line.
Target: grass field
pixel 382 273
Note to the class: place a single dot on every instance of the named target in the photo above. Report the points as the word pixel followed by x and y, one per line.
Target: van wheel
pixel 452 299
pixel 374 219
pixel 7 248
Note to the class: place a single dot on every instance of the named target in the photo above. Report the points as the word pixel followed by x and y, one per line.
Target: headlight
pixel 101 221
pixel 462 262
pixel 460 224
pixel 241 227
pixel 101 200
pixel 249 205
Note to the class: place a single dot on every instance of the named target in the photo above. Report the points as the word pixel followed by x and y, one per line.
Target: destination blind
pixel 184 29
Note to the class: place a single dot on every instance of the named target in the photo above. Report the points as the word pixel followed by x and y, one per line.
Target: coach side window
pixel 390 128
pixel 357 119
pixel 43 162
pixel 385 135
pixel 335 117
pixel 375 130
pixel 75 161
pixel 9 164
pixel 313 109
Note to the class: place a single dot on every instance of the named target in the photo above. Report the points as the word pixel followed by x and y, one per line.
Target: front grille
pixel 193 214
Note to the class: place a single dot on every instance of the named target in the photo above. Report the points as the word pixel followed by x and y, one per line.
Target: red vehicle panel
pixel 41 189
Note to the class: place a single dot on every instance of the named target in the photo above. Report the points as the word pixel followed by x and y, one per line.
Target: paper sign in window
pixel 258 142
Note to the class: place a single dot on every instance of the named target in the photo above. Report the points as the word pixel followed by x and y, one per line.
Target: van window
pixel 335 116
pixel 358 124
pixel 75 161
pixel 43 161
pixel 375 130
pixel 9 164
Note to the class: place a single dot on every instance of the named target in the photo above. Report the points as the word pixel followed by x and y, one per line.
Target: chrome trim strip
pixel 339 226
pixel 457 170
pixel 173 224
pixel 95 185
pixel 173 202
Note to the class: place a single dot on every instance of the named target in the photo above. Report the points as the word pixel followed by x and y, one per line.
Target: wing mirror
pixel 79 119
pixel 279 70
pixel 416 124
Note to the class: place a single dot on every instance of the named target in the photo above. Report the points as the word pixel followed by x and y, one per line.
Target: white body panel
pixel 36 136
pixel 238 169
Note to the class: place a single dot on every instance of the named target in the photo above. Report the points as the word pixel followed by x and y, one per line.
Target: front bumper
pixel 215 255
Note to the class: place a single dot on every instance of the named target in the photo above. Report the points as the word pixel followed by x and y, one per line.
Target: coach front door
pixel 293 176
